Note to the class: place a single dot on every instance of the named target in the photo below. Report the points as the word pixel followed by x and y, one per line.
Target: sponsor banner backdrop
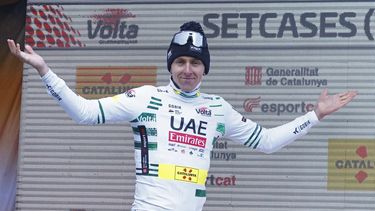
pixel 269 60
pixel 235 25
pixel 98 82
pixel 351 164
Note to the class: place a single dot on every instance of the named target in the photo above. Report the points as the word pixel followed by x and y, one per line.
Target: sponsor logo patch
pixel 204 111
pixel 188 139
pixel 186 174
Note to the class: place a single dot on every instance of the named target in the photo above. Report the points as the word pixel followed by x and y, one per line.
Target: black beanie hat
pixel 188 49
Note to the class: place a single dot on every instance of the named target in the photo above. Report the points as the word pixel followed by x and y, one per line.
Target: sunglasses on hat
pixel 183 37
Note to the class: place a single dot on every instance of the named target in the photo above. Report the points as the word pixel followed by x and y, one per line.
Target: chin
pixel 186 86
pixel 186 89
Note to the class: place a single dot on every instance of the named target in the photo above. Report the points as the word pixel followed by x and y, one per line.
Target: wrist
pixel 43 70
pixel 318 114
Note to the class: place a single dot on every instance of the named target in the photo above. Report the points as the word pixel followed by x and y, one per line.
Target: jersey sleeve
pixel 258 138
pixel 122 107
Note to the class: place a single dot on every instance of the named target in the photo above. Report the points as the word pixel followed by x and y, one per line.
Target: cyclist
pixel 175 126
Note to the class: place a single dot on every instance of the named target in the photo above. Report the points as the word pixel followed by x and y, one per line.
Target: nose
pixel 188 68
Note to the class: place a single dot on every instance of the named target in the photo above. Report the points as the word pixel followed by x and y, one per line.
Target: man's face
pixel 187 72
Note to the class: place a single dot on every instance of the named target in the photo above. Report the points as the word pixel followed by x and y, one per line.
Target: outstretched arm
pixel 78 108
pixel 83 111
pixel 287 133
pixel 328 104
pixel 29 57
pixel 271 140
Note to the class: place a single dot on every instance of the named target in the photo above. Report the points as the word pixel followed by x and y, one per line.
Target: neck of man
pixel 194 93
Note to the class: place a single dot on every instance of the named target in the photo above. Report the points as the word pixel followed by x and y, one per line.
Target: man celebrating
pixel 175 126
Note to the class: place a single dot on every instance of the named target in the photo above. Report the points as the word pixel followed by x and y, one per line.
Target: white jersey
pixel 174 133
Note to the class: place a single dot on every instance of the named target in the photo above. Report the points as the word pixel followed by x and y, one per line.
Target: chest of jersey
pixel 182 132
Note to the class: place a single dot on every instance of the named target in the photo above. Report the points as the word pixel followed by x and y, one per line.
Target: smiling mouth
pixel 188 79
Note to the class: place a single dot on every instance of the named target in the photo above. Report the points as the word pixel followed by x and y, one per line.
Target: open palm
pixel 28 56
pixel 328 104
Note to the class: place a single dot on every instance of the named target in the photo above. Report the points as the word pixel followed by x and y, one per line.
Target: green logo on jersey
pixel 220 127
pixel 145 117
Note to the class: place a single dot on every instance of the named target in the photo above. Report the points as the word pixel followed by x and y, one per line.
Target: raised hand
pixel 328 104
pixel 28 56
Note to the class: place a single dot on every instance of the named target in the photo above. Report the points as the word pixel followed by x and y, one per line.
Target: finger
pixel 349 96
pixel 12 46
pixel 352 95
pixel 29 49
pixel 323 94
pixel 346 101
pixel 344 97
pixel 347 93
pixel 342 94
pixel 10 42
pixel 18 51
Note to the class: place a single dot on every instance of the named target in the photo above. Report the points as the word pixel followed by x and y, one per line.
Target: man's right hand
pixel 28 56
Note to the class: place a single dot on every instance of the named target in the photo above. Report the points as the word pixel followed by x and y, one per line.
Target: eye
pixel 196 62
pixel 179 61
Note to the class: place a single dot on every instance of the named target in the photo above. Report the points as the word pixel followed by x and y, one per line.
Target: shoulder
pixel 210 97
pixel 216 102
pixel 214 99
pixel 141 91
pixel 145 88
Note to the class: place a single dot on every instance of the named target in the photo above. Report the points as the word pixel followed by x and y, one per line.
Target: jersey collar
pixel 193 94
